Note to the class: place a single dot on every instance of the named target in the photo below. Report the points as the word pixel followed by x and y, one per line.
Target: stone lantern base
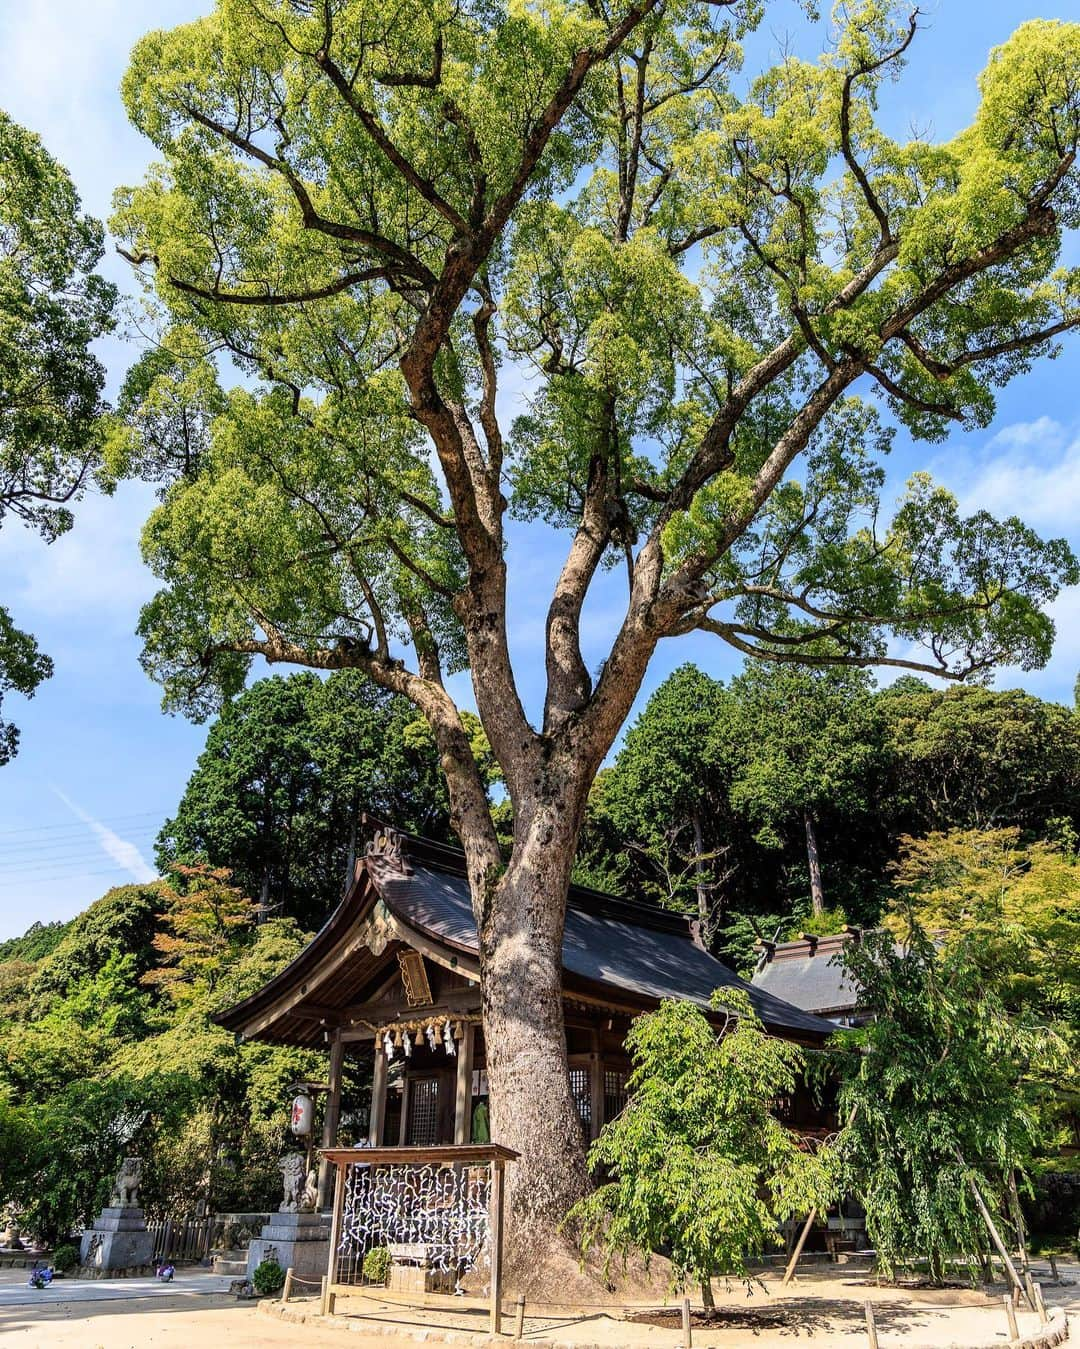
pixel 297 1241
pixel 117 1240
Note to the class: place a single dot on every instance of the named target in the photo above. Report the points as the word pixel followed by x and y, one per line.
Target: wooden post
pixel 286 1287
pixel 687 1331
pixel 871 1325
pixel 995 1235
pixel 378 1097
pixel 335 1237
pixel 1041 1305
pixel 596 1086
pixel 403 1127
pixel 1030 1286
pixel 463 1084
pixel 519 1318
pixel 324 1299
pixel 798 1246
pixel 1010 1312
pixel 495 1241
pixel 1054 1270
pixel 332 1115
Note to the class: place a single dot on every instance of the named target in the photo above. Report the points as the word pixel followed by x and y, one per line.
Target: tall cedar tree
pixel 717 290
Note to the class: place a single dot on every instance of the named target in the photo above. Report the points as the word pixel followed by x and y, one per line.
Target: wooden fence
pixel 182 1240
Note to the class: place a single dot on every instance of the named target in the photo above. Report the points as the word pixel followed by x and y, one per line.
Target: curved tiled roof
pixel 643 951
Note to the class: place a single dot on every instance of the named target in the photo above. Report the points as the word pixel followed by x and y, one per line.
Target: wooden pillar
pixel 596 1087
pixel 335 1238
pixel 378 1097
pixel 332 1117
pixel 463 1084
pixel 403 1130
pixel 495 1226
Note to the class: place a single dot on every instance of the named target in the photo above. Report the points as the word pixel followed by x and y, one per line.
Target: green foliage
pixel 945 1088
pixel 372 247
pixel 972 758
pixel 376 1266
pixel 663 801
pixel 65 1258
pixel 52 308
pixel 22 668
pixel 106 1050
pixel 268 1277
pixel 287 769
pixel 121 923
pixel 698 1165
pixel 38 941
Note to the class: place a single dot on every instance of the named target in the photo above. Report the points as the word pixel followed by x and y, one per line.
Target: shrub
pixel 65 1257
pixel 376 1267
pixel 268 1277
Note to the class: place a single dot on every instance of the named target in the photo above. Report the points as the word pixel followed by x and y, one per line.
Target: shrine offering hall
pixel 394 974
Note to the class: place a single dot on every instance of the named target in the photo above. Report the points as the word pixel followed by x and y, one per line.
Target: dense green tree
pixel 52 307
pixel 121 923
pixel 665 799
pixel 801 742
pixel 945 1091
pixel 373 212
pixel 699 1166
pixel 975 758
pixel 287 769
pixel 38 941
pixel 116 1052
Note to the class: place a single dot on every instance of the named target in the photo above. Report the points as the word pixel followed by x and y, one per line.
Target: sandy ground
pixel 826 1311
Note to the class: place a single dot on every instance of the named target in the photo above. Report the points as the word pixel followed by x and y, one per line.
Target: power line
pixel 70 847
pixel 70 826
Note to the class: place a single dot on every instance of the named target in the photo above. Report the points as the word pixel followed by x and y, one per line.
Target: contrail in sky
pixel 126 856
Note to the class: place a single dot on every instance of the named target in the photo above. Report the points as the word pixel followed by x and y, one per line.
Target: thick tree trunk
pixel 532 1110
pixel 701 884
pixel 817 892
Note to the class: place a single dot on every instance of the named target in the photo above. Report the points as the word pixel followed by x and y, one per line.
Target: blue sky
pixel 100 766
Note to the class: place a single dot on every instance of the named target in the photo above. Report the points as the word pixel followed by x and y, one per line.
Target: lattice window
pixel 615 1093
pixel 581 1090
pixel 423 1112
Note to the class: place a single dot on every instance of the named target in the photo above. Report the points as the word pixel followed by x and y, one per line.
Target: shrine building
pixel 394 975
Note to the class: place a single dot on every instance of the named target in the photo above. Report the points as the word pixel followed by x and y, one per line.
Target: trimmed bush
pixel 376 1266
pixel 268 1277
pixel 65 1258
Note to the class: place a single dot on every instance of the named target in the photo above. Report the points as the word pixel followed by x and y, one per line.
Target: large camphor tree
pixel 721 290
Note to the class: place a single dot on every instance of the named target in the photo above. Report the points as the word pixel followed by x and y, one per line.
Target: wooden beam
pixel 463 1085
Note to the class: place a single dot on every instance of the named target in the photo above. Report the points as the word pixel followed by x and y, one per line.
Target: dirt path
pixel 821 1312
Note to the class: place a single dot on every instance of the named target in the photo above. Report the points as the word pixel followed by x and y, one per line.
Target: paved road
pixel 17 1292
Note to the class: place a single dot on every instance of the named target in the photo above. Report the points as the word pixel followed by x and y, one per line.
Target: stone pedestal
pixel 300 1241
pixel 117 1240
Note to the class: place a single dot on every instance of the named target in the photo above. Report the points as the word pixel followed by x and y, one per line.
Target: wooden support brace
pixel 1010 1314
pixel 871 1325
pixel 687 1330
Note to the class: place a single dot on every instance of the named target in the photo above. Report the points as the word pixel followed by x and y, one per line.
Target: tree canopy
pixel 52 307
pixel 724 292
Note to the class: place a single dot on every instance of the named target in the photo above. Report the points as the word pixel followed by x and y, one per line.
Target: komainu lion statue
pixel 294 1175
pixel 125 1191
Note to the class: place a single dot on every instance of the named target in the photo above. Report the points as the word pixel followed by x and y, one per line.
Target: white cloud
pixel 125 854
pixel 1030 469
pixel 92 574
